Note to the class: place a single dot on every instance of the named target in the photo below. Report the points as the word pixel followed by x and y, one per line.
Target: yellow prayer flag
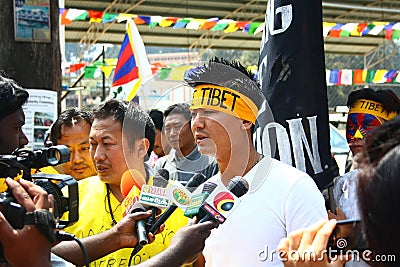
pixel 106 70
pixel 111 61
pixel 124 17
pixel 231 28
pixel 379 76
pixel 165 23
pixel 178 73
pixel 364 75
pixel 95 20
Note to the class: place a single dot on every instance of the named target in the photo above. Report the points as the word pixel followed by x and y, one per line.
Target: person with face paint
pixel 368 109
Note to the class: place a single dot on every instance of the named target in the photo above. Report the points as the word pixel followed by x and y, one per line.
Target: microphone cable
pixel 64 236
pixel 137 248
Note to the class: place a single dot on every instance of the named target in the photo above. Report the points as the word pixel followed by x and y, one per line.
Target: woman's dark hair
pixel 389 100
pixel 378 189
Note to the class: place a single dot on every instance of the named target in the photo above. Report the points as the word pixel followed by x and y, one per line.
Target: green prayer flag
pixel 370 76
pixel 220 26
pixel 164 73
pixel 344 33
pixel 153 24
pixel 82 16
pixel 108 17
pixel 89 72
pixel 253 27
pixel 396 34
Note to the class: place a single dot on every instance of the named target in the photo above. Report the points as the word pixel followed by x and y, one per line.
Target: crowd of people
pixel 280 221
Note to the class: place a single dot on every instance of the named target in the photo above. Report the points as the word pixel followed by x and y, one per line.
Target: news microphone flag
pixel 178 194
pixel 131 203
pixel 194 206
pixel 131 184
pixel 292 77
pixel 132 68
pixel 223 200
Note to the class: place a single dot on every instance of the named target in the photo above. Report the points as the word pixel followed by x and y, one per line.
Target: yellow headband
pixel 371 107
pixel 225 100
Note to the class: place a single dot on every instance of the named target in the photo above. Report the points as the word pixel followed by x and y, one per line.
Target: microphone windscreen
pixel 195 181
pixel 161 178
pixel 238 186
pixel 209 187
pixel 164 173
pixel 129 179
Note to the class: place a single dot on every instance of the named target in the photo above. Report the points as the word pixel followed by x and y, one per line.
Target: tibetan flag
pixel 132 68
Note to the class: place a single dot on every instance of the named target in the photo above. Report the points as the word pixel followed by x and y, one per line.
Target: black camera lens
pixel 57 154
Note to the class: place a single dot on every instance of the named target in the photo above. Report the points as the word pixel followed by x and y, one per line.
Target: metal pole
pixel 104 77
pixel 78 79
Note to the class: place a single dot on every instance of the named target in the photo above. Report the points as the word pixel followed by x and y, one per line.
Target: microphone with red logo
pixel 220 203
pixel 131 184
pixel 191 185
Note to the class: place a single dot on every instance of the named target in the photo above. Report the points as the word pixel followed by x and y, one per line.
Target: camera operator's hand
pixel 27 244
pixel 307 247
pixel 122 235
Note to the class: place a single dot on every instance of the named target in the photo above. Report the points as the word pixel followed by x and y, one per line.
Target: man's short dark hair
pixel 180 108
pixel 68 118
pixel 12 96
pixel 158 118
pixel 389 100
pixel 233 75
pixel 138 125
pixel 112 108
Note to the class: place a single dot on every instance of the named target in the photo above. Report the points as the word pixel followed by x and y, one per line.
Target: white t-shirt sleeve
pixel 304 205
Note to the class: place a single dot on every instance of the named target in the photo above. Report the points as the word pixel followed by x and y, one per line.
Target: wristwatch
pixel 44 222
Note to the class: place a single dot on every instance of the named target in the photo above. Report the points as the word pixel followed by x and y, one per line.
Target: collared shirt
pixel 182 169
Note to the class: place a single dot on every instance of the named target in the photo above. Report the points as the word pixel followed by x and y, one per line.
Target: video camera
pixel 21 162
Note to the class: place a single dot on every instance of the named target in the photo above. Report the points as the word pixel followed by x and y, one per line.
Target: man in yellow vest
pixel 72 129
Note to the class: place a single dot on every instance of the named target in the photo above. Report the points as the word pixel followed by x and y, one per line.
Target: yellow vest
pixel 95 217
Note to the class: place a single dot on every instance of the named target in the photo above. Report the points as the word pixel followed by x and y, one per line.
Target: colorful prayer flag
pixel 132 67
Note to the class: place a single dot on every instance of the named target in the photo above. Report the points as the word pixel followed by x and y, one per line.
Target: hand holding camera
pixel 28 241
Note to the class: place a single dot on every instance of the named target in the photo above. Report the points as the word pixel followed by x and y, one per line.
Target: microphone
pixel 160 179
pixel 191 185
pixel 224 202
pixel 134 180
pixel 194 207
pixel 129 179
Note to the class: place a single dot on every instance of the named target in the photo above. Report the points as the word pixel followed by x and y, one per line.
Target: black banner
pixel 292 76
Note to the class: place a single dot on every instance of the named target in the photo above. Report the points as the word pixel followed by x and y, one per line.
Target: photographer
pixel 29 240
pixel 12 117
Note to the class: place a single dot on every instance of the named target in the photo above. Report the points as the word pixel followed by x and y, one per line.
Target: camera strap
pixel 44 222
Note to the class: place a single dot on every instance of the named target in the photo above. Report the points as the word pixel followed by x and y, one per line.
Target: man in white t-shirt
pixel 224 109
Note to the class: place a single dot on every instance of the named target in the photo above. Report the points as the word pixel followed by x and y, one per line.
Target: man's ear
pixel 142 147
pixel 246 125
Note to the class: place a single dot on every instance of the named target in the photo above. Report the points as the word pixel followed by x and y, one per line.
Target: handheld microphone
pixel 194 207
pixel 191 185
pixel 237 186
pixel 160 179
pixel 134 179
